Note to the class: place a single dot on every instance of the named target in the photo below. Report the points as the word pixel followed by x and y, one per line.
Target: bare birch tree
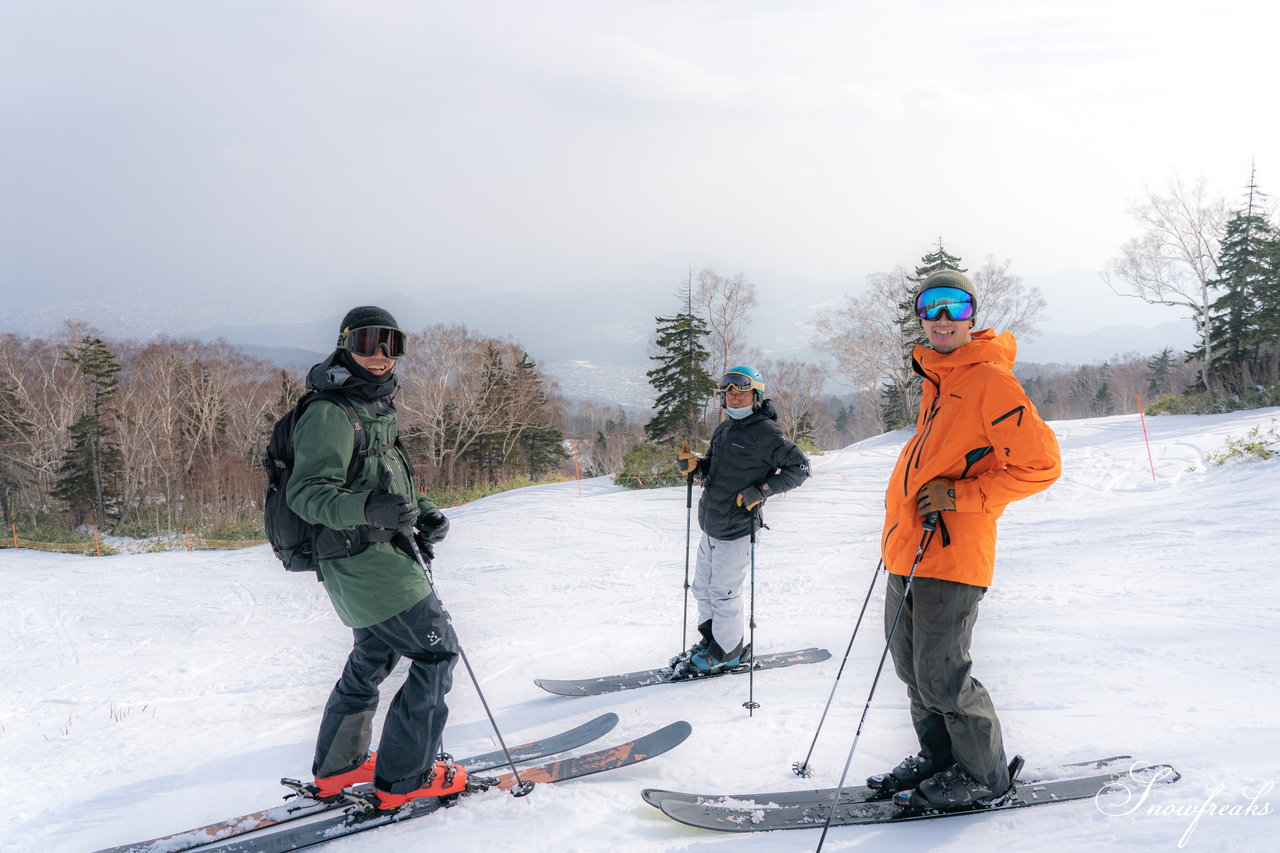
pixel 1004 302
pixel 1175 257
pixel 725 303
pixel 867 337
pixel 795 387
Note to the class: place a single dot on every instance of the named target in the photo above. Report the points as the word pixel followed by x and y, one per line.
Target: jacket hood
pixel 339 373
pixel 985 347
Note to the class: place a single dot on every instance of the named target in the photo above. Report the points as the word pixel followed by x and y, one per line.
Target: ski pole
pixel 930 524
pixel 523 786
pixel 751 704
pixel 688 528
pixel 802 768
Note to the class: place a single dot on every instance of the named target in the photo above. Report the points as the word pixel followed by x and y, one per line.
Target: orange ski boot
pixel 331 786
pixel 445 778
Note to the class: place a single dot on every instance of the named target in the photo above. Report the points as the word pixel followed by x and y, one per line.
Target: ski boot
pixel 683 658
pixel 679 665
pixel 954 789
pixel 910 772
pixel 445 779
pixel 330 787
pixel 706 662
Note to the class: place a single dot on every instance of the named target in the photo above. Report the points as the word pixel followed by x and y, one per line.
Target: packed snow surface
pixel 149 693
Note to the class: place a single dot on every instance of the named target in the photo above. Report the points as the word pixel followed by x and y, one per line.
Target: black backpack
pixel 292 539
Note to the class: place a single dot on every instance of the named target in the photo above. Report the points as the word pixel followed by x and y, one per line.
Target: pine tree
pixel 541 444
pixel 937 260
pixel 1242 317
pixel 681 380
pixel 1160 371
pixel 90 465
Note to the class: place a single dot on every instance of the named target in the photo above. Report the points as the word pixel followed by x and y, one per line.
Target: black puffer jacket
pixel 749 452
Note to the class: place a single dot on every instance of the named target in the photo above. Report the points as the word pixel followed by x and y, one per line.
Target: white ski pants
pixel 718 583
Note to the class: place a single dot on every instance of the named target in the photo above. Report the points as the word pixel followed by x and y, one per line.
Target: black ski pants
pixel 415 720
pixel 953 715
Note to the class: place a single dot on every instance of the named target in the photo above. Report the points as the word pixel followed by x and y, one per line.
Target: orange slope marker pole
pixel 1142 418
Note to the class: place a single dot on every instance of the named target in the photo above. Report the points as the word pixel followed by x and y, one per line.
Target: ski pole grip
pixel 931 521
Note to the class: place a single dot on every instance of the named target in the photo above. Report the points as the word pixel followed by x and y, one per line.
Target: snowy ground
pixel 145 694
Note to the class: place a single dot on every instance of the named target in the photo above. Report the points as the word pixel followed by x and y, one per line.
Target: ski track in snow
pixel 151 693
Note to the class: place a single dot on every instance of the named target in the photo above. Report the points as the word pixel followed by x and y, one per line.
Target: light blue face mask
pixel 739 414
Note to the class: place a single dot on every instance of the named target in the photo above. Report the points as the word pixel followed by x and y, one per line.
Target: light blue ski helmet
pixel 741 377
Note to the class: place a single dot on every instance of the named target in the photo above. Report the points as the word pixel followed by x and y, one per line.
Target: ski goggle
pixel 931 303
pixel 367 340
pixel 740 381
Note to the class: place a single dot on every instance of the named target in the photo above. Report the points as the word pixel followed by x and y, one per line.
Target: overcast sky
pixel 291 149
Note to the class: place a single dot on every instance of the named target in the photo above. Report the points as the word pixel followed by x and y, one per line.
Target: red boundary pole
pixel 1142 418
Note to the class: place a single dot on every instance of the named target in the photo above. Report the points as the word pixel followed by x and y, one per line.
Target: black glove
pixel 387 509
pixel 432 528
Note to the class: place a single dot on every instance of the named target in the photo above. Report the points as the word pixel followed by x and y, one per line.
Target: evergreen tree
pixel 938 259
pixel 91 463
pixel 1243 316
pixel 541 444
pixel 1160 371
pixel 681 380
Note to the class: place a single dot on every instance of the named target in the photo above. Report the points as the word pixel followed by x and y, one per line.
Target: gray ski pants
pixel 953 715
pixel 718 581
pixel 416 718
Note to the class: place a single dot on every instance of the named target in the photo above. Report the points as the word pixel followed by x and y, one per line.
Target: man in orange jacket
pixel 979 445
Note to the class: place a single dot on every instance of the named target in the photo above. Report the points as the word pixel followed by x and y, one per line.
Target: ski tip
pixel 655 796
pixel 678 730
pixel 562 688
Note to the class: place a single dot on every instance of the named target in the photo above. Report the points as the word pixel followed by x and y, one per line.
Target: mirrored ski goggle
pixel 740 381
pixel 367 340
pixel 931 303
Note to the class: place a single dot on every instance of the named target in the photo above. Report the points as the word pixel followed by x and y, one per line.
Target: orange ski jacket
pixel 977 427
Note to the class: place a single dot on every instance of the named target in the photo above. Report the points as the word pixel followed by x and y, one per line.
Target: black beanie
pixel 368 315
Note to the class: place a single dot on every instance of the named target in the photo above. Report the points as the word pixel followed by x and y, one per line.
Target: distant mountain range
pixel 592 337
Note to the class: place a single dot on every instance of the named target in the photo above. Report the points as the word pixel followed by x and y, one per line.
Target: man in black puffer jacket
pixel 749 460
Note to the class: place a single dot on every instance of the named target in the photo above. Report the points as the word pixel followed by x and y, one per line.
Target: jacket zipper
pixel 913 460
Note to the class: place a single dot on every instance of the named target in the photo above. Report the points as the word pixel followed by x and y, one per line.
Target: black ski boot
pixel 955 790
pixel 913 770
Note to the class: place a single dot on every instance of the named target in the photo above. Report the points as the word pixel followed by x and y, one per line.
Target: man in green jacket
pixel 375 582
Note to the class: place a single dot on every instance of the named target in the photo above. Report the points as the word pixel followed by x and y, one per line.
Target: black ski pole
pixel 688 528
pixel 751 704
pixel 930 524
pixel 802 768
pixel 522 786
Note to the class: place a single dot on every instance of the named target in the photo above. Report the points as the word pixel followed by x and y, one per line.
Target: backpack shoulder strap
pixel 359 449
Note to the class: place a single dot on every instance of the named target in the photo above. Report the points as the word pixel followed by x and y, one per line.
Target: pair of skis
pixel 862 805
pixel 665 675
pixel 319 829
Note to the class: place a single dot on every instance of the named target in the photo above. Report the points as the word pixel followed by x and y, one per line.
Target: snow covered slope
pixel 145 694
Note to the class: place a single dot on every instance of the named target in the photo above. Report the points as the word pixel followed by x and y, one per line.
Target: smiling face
pixel 947 335
pixel 377 364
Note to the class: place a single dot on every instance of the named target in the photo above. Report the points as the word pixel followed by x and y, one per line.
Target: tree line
pixel 150 437
pixel 146 438
pixel 1221 264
